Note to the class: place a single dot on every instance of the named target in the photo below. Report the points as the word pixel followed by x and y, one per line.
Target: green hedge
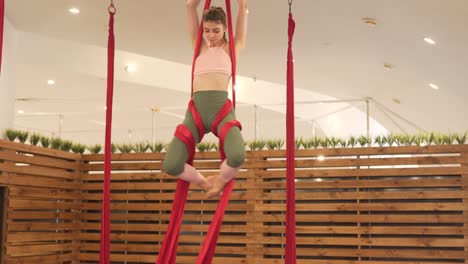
pixel 421 139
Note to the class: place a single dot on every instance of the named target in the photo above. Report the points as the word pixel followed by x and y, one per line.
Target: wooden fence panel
pixel 399 205
pixel 42 210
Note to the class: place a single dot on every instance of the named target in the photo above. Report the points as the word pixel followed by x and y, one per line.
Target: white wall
pixel 79 96
pixel 7 77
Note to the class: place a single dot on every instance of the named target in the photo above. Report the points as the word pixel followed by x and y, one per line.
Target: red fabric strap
pixel 2 18
pixel 290 148
pixel 223 133
pixel 197 119
pixel 183 133
pixel 198 43
pixel 104 257
pixel 209 244
pixel 223 112
pixel 168 250
pixel 233 51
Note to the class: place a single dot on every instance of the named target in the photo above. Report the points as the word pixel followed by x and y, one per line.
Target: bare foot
pixel 218 187
pixel 206 184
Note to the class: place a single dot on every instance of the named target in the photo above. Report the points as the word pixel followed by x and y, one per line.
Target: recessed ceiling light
pixel 388 66
pixel 433 86
pixel 20 112
pixel 370 21
pixel 50 82
pixel 74 10
pixel 430 41
pixel 321 158
pixel 130 68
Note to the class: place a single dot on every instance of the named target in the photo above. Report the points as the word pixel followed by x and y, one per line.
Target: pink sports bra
pixel 213 60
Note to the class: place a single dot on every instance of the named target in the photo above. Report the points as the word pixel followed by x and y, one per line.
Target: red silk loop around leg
pixel 184 134
pixel 223 112
pixel 223 133
pixel 197 119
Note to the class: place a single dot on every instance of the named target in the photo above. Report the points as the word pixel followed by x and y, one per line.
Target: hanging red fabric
pixel 105 218
pixel 198 45
pixel 233 51
pixel 209 244
pixel 168 250
pixel 290 149
pixel 2 18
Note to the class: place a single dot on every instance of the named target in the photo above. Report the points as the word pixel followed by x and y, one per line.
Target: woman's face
pixel 213 32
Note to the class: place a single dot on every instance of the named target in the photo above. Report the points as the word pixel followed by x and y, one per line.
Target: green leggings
pixel 208 104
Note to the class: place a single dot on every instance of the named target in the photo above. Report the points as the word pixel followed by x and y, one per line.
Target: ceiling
pixel 337 57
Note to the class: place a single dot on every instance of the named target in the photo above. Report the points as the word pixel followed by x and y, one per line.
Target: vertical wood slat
pixel 4 217
pixel 76 217
pixel 464 164
pixel 254 216
pixel 6 202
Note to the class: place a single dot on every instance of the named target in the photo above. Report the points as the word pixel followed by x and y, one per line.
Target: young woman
pixel 210 86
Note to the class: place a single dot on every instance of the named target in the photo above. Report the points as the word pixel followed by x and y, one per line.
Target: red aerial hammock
pixel 2 17
pixel 290 148
pixel 104 257
pixel 168 250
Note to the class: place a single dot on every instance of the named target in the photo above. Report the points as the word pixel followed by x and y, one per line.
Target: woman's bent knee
pixel 176 157
pixel 172 168
pixel 236 158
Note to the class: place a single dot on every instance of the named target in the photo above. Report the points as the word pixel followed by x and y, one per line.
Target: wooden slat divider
pixel 24 148
pixel 43 186
pixel 398 205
